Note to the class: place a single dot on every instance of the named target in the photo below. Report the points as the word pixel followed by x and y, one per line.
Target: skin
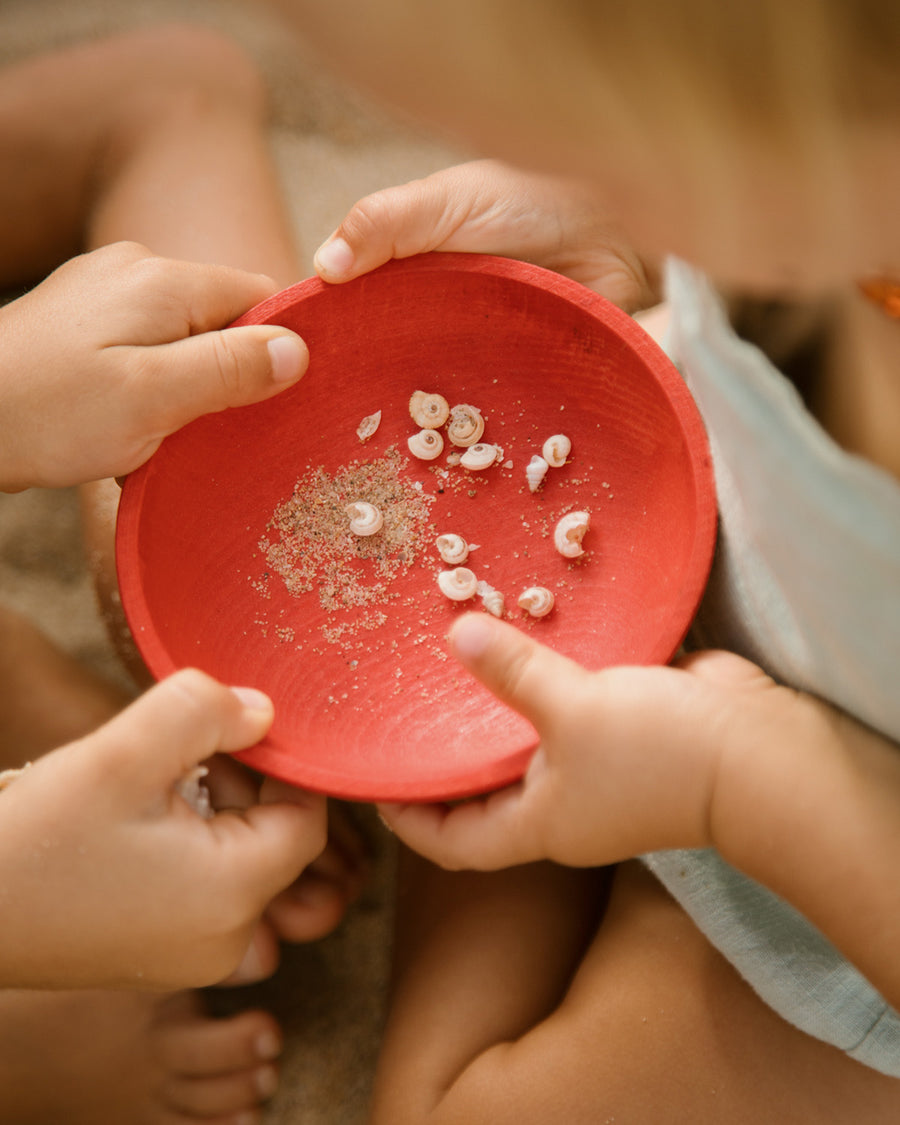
pixel 153 352
pixel 503 1015
pixel 775 214
pixel 145 849
pixel 109 148
pixel 738 748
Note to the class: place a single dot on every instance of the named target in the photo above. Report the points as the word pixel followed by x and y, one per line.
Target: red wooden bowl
pixel 369 705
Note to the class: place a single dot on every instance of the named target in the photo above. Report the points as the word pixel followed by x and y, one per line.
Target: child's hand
pixel 109 878
pixel 622 767
pixel 630 760
pixel 119 348
pixel 490 208
pixel 710 752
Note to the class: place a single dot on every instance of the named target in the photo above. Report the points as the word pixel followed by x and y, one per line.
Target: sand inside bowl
pixel 313 550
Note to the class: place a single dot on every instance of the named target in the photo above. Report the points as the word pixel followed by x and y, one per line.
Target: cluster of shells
pixel 553 455
pixel 465 429
pixel 459 583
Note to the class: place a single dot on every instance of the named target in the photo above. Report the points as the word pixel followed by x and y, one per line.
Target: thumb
pixel 522 673
pixel 173 727
pixel 215 370
pixel 398 222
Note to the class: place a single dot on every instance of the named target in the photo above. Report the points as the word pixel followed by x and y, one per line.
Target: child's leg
pixel 46 698
pixel 171 120
pixel 497 1017
pixel 156 137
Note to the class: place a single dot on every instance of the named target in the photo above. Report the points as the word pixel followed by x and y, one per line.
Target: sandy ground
pixel 331 150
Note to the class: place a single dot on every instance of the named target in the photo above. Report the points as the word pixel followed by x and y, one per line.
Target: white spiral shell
pixel 480 456
pixel 457 584
pixel 466 424
pixel 556 450
pixel 536 600
pixel 428 410
pixel 569 532
pixel 426 445
pixel 365 518
pixel 535 471
pixel 492 599
pixel 192 790
pixel 452 548
pixel 368 426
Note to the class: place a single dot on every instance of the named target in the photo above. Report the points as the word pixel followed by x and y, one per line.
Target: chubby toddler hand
pixel 490 208
pixel 709 752
pixel 627 762
pixel 119 348
pixel 111 879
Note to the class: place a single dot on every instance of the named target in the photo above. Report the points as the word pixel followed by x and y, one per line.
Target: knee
pixel 186 70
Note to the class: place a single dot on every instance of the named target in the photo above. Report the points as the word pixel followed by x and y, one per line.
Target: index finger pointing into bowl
pixel 515 668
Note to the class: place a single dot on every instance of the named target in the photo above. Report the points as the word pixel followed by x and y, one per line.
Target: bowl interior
pixel 368 703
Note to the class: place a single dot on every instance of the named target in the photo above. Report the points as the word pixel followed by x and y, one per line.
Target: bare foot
pixel 107 1058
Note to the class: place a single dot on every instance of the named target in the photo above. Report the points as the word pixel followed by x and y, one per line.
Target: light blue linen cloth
pixel 806 583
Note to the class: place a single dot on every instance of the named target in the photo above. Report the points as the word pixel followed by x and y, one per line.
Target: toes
pixel 307 910
pixel 346 871
pixel 261 959
pixel 222 1095
pixel 199 1047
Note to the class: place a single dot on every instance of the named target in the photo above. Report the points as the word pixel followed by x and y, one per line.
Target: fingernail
pixel 266 1081
pixel 252 698
pixel 287 355
pixel 471 635
pixel 334 258
pixel 268 1044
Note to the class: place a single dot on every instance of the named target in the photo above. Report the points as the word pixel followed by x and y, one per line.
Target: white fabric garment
pixel 806 583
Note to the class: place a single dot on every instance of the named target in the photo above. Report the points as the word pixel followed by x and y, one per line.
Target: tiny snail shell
pixel 466 424
pixel 569 532
pixel 537 600
pixel 556 450
pixel 452 548
pixel 192 791
pixel 492 600
pixel 365 519
pixel 428 411
pixel 426 445
pixel 535 471
pixel 368 426
pixel 479 456
pixel 457 584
